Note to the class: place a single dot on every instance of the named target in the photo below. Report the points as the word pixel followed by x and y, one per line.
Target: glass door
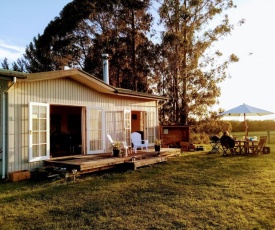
pixel 39 132
pixel 95 130
pixel 127 126
pixel 151 124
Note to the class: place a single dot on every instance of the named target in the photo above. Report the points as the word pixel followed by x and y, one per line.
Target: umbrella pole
pixel 246 127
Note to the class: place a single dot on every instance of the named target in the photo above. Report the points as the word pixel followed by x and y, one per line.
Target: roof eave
pixel 11 73
pixel 135 94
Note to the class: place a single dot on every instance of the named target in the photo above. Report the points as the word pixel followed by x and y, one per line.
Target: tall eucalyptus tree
pixel 191 70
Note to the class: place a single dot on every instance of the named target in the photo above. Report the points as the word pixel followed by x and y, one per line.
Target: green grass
pixel 193 191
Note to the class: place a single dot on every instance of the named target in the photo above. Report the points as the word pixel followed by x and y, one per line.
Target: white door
pixel 95 130
pixel 127 126
pixel 39 131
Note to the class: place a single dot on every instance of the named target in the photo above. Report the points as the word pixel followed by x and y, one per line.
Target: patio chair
pixel 264 137
pixel 256 149
pixel 226 147
pixel 125 147
pixel 137 142
pixel 215 143
pixel 110 138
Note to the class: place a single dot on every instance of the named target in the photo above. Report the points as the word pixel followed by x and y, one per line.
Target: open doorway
pixel 65 130
pixel 138 123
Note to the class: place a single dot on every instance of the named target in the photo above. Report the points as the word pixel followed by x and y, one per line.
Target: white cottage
pixel 67 112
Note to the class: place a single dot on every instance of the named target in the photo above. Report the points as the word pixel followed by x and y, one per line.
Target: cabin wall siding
pixel 1 129
pixel 3 86
pixel 62 91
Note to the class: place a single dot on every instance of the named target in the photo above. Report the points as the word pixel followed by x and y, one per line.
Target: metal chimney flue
pixel 105 68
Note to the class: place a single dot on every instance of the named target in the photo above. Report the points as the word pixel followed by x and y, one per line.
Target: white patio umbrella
pixel 245 110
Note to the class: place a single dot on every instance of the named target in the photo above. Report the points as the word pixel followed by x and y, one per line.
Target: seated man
pixel 230 140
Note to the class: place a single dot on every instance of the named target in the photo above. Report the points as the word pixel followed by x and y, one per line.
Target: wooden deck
pixel 92 163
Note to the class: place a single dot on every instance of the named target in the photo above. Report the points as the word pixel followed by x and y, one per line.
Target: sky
pixel 251 80
pixel 21 21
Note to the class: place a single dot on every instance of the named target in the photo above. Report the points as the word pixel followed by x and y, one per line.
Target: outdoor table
pixel 242 146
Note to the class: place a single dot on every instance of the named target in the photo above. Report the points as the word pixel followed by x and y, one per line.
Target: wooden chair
pixel 226 148
pixel 256 149
pixel 264 137
pixel 137 142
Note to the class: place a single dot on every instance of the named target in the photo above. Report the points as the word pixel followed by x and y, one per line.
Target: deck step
pixel 144 162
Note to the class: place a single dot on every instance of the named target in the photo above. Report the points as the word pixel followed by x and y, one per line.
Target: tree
pixel 19 65
pixel 123 36
pixel 86 29
pixel 5 64
pixel 190 70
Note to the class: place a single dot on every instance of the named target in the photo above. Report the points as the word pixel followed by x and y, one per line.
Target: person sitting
pixel 229 139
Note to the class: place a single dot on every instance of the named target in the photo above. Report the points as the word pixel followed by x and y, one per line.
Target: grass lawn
pixel 193 191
